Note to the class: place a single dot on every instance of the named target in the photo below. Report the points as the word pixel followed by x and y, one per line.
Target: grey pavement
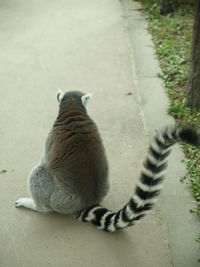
pixel 101 47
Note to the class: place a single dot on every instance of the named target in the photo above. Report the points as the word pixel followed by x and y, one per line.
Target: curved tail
pixel 149 185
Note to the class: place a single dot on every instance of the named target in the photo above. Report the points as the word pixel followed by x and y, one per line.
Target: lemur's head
pixel 72 98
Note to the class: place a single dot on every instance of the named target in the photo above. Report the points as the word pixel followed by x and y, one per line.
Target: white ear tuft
pixel 60 95
pixel 85 99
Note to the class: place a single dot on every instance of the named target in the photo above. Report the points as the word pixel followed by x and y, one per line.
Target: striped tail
pixel 149 185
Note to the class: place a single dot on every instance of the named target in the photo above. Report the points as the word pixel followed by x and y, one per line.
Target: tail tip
pixel 190 135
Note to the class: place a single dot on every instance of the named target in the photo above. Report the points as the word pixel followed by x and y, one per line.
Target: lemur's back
pixel 74 153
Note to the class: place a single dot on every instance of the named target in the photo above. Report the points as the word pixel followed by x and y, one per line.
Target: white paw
pixel 21 202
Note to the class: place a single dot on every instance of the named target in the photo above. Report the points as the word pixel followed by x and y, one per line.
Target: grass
pixel 172 35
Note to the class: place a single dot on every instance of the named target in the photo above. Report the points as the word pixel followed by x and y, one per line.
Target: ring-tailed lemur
pixel 72 176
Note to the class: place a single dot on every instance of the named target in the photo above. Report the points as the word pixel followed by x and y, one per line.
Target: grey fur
pixel 73 172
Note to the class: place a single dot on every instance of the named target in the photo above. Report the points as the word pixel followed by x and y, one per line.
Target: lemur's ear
pixel 85 99
pixel 60 95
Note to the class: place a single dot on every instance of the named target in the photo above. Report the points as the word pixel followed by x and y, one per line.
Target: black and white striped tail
pixel 149 185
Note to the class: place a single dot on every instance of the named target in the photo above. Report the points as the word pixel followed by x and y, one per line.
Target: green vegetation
pixel 172 35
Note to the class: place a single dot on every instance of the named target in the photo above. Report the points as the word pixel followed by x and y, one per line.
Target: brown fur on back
pixel 75 153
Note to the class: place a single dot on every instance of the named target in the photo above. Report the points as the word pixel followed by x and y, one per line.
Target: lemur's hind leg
pixel 26 203
pixel 29 203
pixel 40 186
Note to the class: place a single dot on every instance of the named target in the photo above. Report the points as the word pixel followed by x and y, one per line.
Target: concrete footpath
pixel 93 46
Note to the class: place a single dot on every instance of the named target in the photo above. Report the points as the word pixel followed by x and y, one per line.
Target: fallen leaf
pixel 3 172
